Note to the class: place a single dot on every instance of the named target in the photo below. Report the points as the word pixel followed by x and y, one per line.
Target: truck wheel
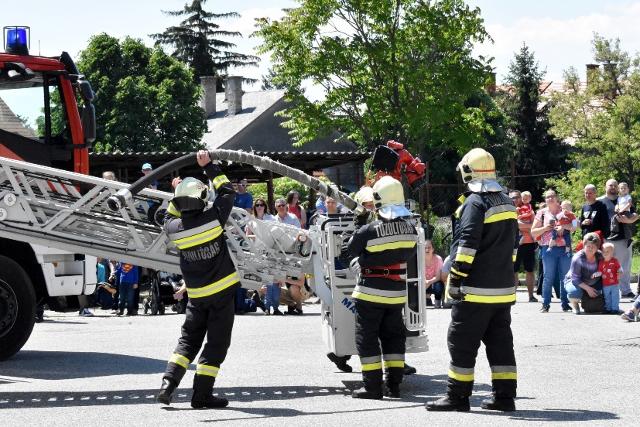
pixel 17 307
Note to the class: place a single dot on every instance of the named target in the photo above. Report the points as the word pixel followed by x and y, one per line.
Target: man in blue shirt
pixel 243 200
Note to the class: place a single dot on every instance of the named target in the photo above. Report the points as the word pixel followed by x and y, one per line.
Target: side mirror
pixel 89 122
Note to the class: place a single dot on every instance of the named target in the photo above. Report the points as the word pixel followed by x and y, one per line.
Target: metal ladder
pixel 68 211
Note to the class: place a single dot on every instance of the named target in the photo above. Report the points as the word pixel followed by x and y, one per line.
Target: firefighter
pixel 382 248
pixel 481 283
pixel 211 279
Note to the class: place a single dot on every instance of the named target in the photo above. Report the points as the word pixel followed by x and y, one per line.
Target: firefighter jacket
pixel 483 249
pixel 383 248
pixel 205 261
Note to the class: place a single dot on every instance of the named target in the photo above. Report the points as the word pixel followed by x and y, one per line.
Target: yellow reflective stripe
pixel 513 258
pixel 209 370
pixel 502 216
pixel 215 287
pixel 464 258
pixel 171 210
pixel 460 377
pixel 459 273
pixel 379 299
pixel 504 376
pixel 179 360
pixel 371 366
pixel 219 180
pixel 490 299
pixel 394 363
pixel 387 246
pixel 198 239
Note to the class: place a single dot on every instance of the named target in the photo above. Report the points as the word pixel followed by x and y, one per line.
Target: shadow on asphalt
pixel 60 365
pixel 54 399
pixel 553 415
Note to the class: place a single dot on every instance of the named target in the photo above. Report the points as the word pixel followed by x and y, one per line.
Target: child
pixel 525 211
pixel 566 217
pixel 623 208
pixel 632 314
pixel 272 299
pixel 609 269
pixel 127 286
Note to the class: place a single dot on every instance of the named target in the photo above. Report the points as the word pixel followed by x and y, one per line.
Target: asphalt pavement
pixel 105 369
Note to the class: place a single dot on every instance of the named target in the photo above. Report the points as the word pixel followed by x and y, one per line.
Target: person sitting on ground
pixel 581 276
pixel 609 270
pixel 566 217
pixel 293 293
pixel 433 263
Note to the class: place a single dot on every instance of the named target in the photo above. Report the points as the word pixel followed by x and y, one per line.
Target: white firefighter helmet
pixel 478 170
pixel 190 195
pixel 388 196
pixel 365 194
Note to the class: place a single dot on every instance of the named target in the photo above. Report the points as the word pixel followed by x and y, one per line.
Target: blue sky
pixel 559 32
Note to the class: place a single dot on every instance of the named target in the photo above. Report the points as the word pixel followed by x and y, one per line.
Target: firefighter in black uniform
pixel 383 248
pixel 481 284
pixel 211 279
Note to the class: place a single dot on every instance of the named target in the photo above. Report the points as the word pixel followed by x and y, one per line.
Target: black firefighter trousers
pixel 472 323
pixel 379 326
pixel 212 318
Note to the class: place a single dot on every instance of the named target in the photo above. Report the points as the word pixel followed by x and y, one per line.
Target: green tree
pixel 602 120
pixel 389 69
pixel 532 149
pixel 197 42
pixel 145 99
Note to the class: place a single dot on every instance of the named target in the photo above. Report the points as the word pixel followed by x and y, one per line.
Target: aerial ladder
pixel 81 214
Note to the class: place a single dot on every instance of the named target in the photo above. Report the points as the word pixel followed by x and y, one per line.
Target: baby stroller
pixel 161 294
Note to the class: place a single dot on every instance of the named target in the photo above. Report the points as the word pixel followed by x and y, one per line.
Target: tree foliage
pixel 197 41
pixel 400 69
pixel 145 100
pixel 530 145
pixel 602 119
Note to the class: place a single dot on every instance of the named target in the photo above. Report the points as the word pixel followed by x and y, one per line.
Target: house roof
pixel 10 122
pixel 257 128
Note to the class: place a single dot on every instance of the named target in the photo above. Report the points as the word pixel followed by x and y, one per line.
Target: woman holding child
pixel 549 225
pixel 433 265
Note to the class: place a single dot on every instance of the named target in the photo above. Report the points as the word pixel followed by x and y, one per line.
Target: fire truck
pixel 55 219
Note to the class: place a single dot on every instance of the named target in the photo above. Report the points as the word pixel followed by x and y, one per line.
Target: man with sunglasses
pixel 197 230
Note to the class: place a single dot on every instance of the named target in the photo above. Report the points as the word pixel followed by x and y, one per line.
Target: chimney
pixel 208 99
pixel 592 73
pixel 233 92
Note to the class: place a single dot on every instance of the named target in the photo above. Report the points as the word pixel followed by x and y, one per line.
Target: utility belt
pixel 392 272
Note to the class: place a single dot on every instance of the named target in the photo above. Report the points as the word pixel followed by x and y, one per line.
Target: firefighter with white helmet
pixel 197 230
pixel 481 283
pixel 382 248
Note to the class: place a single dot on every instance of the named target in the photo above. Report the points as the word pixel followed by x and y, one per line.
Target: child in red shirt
pixel 609 269
pixel 525 211
pixel 566 217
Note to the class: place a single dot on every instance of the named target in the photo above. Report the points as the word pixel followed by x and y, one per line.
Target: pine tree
pixel 534 150
pixel 197 42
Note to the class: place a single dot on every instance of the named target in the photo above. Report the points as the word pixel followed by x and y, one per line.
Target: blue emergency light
pixel 16 40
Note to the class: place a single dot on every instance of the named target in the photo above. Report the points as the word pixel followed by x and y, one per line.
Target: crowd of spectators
pixel 596 274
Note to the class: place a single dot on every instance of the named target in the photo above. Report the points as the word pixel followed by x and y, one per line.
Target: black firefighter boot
pixel 166 390
pixel 494 403
pixel 393 389
pixel 372 386
pixel 203 394
pixel 449 403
